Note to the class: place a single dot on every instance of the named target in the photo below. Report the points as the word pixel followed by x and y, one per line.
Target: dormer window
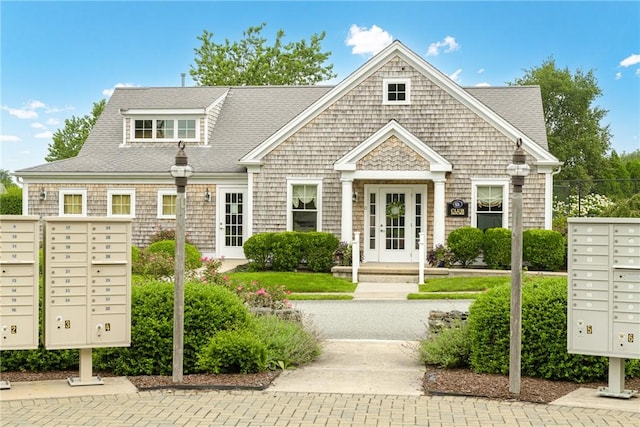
pixel 396 91
pixel 165 129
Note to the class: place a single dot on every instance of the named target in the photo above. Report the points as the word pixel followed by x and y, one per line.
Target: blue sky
pixel 59 57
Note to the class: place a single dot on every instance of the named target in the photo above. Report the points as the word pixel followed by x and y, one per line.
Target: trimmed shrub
pixel 161 234
pixel 544 335
pixel 135 255
pixel 235 351
pixel 466 244
pixel 257 249
pixel 192 256
pixel 450 348
pixel 11 201
pixel 543 249
pixel 287 341
pixel 287 251
pixel 208 310
pixel 319 249
pixel 496 247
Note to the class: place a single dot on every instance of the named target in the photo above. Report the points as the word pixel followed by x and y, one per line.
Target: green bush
pixel 287 251
pixel 544 335
pixel 466 244
pixel 496 247
pixel 450 348
pixel 257 249
pixel 135 255
pixel 319 249
pixel 11 201
pixel 192 256
pixel 543 249
pixel 287 341
pixel 153 265
pixel 234 351
pixel 208 309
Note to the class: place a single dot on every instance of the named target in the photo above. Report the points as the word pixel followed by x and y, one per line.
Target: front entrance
pixel 395 215
pixel 231 215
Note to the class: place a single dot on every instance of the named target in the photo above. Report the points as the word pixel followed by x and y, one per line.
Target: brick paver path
pixel 252 408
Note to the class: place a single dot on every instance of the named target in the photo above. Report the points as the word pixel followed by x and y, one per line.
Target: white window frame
pixel 154 120
pixel 475 183
pixel 396 80
pixel 304 181
pixel 72 191
pixel 166 192
pixel 124 192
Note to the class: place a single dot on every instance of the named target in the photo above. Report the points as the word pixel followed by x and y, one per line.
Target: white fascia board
pixel 162 111
pixel 396 175
pixel 217 101
pixel 393 128
pixel 321 104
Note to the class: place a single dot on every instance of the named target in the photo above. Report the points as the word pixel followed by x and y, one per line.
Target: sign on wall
pixel 458 208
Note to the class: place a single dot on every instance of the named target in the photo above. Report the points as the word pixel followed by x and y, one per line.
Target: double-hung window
pixel 304 207
pixel 72 202
pixel 121 202
pixel 167 203
pixel 490 202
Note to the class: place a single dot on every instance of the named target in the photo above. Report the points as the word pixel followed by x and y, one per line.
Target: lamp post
pixel 518 170
pixel 181 171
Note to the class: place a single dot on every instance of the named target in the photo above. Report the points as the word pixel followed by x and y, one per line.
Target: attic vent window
pixel 396 91
pixel 165 129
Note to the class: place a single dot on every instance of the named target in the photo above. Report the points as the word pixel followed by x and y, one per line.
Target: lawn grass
pixel 463 284
pixel 296 281
pixel 445 295
pixel 306 297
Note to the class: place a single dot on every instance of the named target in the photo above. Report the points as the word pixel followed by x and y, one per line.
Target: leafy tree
pixel 575 134
pixel 5 179
pixel 251 62
pixel 68 141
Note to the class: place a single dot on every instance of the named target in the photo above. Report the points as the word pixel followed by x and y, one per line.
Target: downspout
pixel 549 218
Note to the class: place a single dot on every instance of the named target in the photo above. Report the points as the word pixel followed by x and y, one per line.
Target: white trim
pixel 396 80
pixel 396 175
pixel 437 163
pixel 495 182
pixel 548 201
pixel 396 48
pixel 306 181
pixel 219 225
pixel 117 192
pixel 72 191
pixel 165 192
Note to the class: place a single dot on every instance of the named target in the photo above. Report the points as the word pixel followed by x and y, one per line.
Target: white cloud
pixel 53 122
pixel 638 72
pixel 367 41
pixel 449 42
pixel 21 113
pixel 109 92
pixel 9 138
pixel 37 125
pixel 618 75
pixel 43 135
pixel 481 70
pixel 630 60
pixel 483 84
pixel 455 76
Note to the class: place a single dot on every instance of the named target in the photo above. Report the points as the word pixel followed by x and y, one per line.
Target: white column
pixel 439 211
pixel 355 257
pixel 347 209
pixel 249 208
pixel 422 253
pixel 548 201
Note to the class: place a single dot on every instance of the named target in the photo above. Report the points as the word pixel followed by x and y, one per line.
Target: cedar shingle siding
pixel 288 132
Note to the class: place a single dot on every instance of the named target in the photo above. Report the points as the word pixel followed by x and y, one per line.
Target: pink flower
pixel 225 278
pixel 239 288
pixel 261 291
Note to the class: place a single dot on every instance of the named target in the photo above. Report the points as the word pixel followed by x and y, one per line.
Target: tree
pixel 250 62
pixel 575 134
pixel 6 180
pixel 68 141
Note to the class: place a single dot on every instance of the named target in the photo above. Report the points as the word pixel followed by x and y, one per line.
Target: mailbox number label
pixel 67 324
pixel 630 337
pixel 107 327
pixel 14 329
pixel 589 330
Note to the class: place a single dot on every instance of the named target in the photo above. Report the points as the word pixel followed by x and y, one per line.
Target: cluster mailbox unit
pixel 19 272
pixel 603 316
pixel 87 291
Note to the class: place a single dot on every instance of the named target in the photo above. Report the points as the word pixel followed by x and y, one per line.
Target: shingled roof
pixel 249 115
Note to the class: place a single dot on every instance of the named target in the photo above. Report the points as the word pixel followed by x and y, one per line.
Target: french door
pixel 231 216
pixel 395 216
